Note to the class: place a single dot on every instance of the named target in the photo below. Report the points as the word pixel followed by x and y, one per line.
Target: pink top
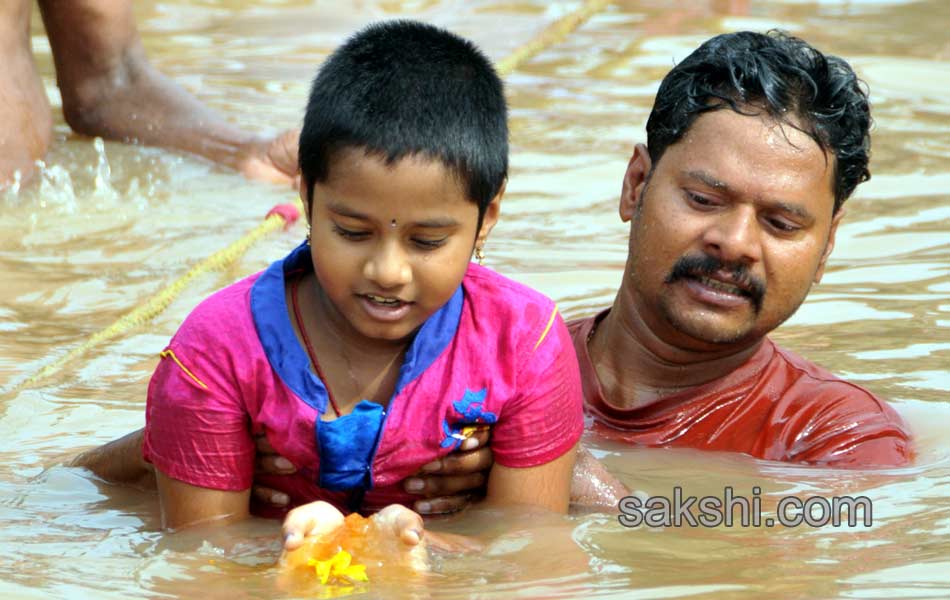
pixel 496 353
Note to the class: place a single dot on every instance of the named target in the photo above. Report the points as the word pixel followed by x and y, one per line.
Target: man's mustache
pixel 699 265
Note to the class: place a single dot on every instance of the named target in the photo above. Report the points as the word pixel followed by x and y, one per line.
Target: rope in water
pixel 281 216
pixel 552 35
pixel 284 215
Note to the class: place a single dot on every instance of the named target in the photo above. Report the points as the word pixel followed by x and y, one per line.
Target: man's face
pixel 729 230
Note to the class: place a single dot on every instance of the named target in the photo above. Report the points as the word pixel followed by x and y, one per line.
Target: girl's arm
pixel 546 486
pixel 185 505
pixel 197 432
pixel 537 433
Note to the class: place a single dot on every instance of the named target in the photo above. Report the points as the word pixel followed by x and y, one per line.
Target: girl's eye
pixel 429 244
pixel 349 233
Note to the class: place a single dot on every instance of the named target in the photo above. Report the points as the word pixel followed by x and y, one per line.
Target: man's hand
pixel 268 462
pixel 593 487
pixel 448 484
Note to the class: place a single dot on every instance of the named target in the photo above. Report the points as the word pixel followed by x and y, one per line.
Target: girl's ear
pixel 492 212
pixel 305 198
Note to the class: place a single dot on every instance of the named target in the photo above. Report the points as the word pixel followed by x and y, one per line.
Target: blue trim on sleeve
pixel 348 444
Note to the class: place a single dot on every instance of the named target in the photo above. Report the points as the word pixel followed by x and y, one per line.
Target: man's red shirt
pixel 776 406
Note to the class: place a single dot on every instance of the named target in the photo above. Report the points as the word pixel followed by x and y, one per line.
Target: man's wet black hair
pixel 399 89
pixel 782 75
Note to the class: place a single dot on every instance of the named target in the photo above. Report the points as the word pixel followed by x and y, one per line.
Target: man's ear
pixel 634 180
pixel 490 218
pixel 829 246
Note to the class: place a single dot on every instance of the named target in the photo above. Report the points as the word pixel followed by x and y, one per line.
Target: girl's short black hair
pixel 401 88
pixel 782 75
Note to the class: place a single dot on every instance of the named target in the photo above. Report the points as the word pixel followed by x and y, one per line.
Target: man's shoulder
pixel 576 324
pixel 580 327
pixel 813 382
pixel 829 420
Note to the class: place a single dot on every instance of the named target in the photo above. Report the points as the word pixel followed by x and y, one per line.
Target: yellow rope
pixel 160 301
pixel 552 35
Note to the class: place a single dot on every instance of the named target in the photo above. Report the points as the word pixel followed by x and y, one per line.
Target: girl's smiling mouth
pixel 383 308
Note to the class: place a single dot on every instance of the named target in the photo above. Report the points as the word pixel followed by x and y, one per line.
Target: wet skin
pixel 751 198
pixel 390 245
pixel 110 89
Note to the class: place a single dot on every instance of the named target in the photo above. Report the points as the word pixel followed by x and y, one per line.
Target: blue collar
pixel 289 359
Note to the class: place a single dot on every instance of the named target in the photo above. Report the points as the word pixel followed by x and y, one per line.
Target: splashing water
pixel 11 193
pixel 134 193
pixel 104 192
pixel 56 188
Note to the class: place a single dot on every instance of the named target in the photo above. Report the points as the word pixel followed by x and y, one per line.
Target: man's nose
pixel 389 266
pixel 735 236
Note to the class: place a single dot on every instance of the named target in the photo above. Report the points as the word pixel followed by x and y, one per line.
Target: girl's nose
pixel 389 266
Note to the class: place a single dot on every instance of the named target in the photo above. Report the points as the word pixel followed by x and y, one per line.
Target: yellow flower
pixel 466 432
pixel 338 567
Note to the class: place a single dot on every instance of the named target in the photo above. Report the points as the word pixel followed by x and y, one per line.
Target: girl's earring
pixel 479 255
pixel 308 234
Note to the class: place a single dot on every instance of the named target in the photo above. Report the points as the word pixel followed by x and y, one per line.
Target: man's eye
pixel 429 244
pixel 783 226
pixel 349 233
pixel 698 200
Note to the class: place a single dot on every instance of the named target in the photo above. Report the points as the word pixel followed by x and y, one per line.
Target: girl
pixel 375 347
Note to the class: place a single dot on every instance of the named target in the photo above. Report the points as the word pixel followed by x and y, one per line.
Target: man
pixel 109 89
pixel 753 145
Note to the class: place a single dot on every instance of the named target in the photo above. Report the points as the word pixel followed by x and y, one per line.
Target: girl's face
pixel 390 244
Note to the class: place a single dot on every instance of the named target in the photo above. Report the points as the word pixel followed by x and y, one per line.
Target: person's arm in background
pixel 119 461
pixel 109 89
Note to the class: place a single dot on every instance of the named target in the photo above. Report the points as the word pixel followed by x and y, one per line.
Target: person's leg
pixel 110 90
pixel 26 124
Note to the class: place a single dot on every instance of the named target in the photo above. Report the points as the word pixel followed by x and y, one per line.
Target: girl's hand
pixel 320 518
pixel 407 526
pixel 313 519
pixel 400 522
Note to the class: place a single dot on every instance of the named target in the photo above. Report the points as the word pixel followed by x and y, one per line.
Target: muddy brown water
pixel 102 230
